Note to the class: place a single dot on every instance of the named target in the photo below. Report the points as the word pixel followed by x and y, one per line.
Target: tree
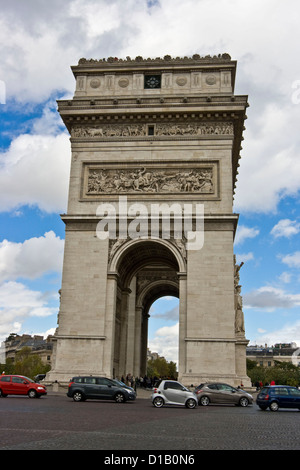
pixel 160 367
pixel 29 364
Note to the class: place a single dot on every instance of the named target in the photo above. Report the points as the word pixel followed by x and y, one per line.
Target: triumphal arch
pixel 155 155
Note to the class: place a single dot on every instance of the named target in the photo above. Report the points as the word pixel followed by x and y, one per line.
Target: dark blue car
pixel 278 396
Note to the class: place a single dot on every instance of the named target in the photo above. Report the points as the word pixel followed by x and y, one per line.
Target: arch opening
pixel 147 271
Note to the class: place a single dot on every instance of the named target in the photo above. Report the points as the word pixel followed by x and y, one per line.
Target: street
pixel 55 422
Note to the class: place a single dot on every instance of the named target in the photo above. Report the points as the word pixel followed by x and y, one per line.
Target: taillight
pixel 199 391
pixel 267 397
pixel 70 383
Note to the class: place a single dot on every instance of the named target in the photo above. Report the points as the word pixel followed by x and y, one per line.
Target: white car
pixel 171 392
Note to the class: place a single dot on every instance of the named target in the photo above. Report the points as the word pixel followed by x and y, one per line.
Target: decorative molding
pixel 141 130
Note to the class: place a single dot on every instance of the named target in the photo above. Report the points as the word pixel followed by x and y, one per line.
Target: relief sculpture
pixel 141 130
pixel 109 181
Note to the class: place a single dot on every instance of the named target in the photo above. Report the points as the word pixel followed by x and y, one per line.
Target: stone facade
pixel 153 131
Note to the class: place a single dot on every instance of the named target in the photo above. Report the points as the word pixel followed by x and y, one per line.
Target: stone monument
pixel 155 155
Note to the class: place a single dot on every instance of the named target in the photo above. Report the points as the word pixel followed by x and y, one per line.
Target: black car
pixel 82 388
pixel 278 396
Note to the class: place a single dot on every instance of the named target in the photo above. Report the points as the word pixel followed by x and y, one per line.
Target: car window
pixel 213 386
pixel 18 380
pixel 294 392
pixel 173 385
pixel 6 378
pixel 89 380
pixel 281 391
pixel 225 387
pixel 104 381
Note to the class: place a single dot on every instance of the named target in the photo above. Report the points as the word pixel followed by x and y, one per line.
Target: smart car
pixel 20 385
pixel 171 392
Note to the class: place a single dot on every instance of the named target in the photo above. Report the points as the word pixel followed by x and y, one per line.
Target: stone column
pixel 138 341
pixel 182 325
pixel 110 317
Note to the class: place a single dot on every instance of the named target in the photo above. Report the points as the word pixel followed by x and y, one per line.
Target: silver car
pixel 222 394
pixel 171 392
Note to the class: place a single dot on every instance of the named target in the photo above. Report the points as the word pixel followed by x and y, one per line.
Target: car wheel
pixel 158 402
pixel 274 406
pixel 204 401
pixel 78 396
pixel 32 394
pixel 2 395
pixel 190 403
pixel 119 398
pixel 244 402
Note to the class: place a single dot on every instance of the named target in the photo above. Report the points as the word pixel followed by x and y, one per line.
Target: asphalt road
pixel 57 423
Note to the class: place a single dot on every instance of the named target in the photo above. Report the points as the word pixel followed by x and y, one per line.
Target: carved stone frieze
pixel 150 180
pixel 141 130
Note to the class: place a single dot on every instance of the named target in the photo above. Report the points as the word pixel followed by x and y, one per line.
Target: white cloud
pixel 285 228
pixel 32 258
pixel 270 298
pixel 289 333
pixel 19 303
pixel 165 342
pixel 243 257
pixel 245 232
pixel 292 260
pixel 35 171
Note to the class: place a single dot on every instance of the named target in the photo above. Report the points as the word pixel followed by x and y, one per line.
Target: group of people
pixel 260 385
pixel 134 382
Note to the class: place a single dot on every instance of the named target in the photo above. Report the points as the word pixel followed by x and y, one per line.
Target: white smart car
pixel 171 392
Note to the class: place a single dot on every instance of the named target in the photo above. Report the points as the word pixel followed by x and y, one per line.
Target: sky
pixel 40 40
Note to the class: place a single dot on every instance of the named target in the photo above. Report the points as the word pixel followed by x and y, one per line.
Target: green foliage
pixel 283 373
pixel 161 368
pixel 26 364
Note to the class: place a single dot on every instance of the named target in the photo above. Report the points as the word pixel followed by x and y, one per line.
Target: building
pixel 266 356
pixel 155 155
pixel 38 345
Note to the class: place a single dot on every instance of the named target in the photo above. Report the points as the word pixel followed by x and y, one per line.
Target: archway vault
pixel 146 270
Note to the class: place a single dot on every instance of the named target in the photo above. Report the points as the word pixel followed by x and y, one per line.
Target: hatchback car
pixel 221 393
pixel 82 388
pixel 278 396
pixel 20 385
pixel 171 392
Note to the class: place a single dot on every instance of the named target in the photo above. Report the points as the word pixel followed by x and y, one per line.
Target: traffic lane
pixel 52 423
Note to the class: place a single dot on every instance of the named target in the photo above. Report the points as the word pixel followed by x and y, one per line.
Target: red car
pixel 20 385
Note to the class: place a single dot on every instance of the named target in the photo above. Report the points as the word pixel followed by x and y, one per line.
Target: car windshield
pixel 118 382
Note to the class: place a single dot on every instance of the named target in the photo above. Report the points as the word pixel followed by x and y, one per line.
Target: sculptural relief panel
pixel 141 130
pixel 150 178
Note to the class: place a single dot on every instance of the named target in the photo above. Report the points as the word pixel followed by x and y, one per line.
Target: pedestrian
pixel 272 382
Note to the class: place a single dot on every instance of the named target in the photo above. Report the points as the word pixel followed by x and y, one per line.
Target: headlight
pixel 40 388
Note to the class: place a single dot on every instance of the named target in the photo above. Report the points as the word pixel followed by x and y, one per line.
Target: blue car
pixel 278 396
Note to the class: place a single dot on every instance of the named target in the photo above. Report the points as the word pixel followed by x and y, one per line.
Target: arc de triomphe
pixel 155 153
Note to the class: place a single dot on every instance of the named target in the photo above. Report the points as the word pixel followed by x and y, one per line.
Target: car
pixel 82 388
pixel 171 392
pixel 20 385
pixel 278 396
pixel 39 377
pixel 221 393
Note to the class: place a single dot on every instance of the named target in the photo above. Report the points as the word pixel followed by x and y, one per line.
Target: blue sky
pixel 40 41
